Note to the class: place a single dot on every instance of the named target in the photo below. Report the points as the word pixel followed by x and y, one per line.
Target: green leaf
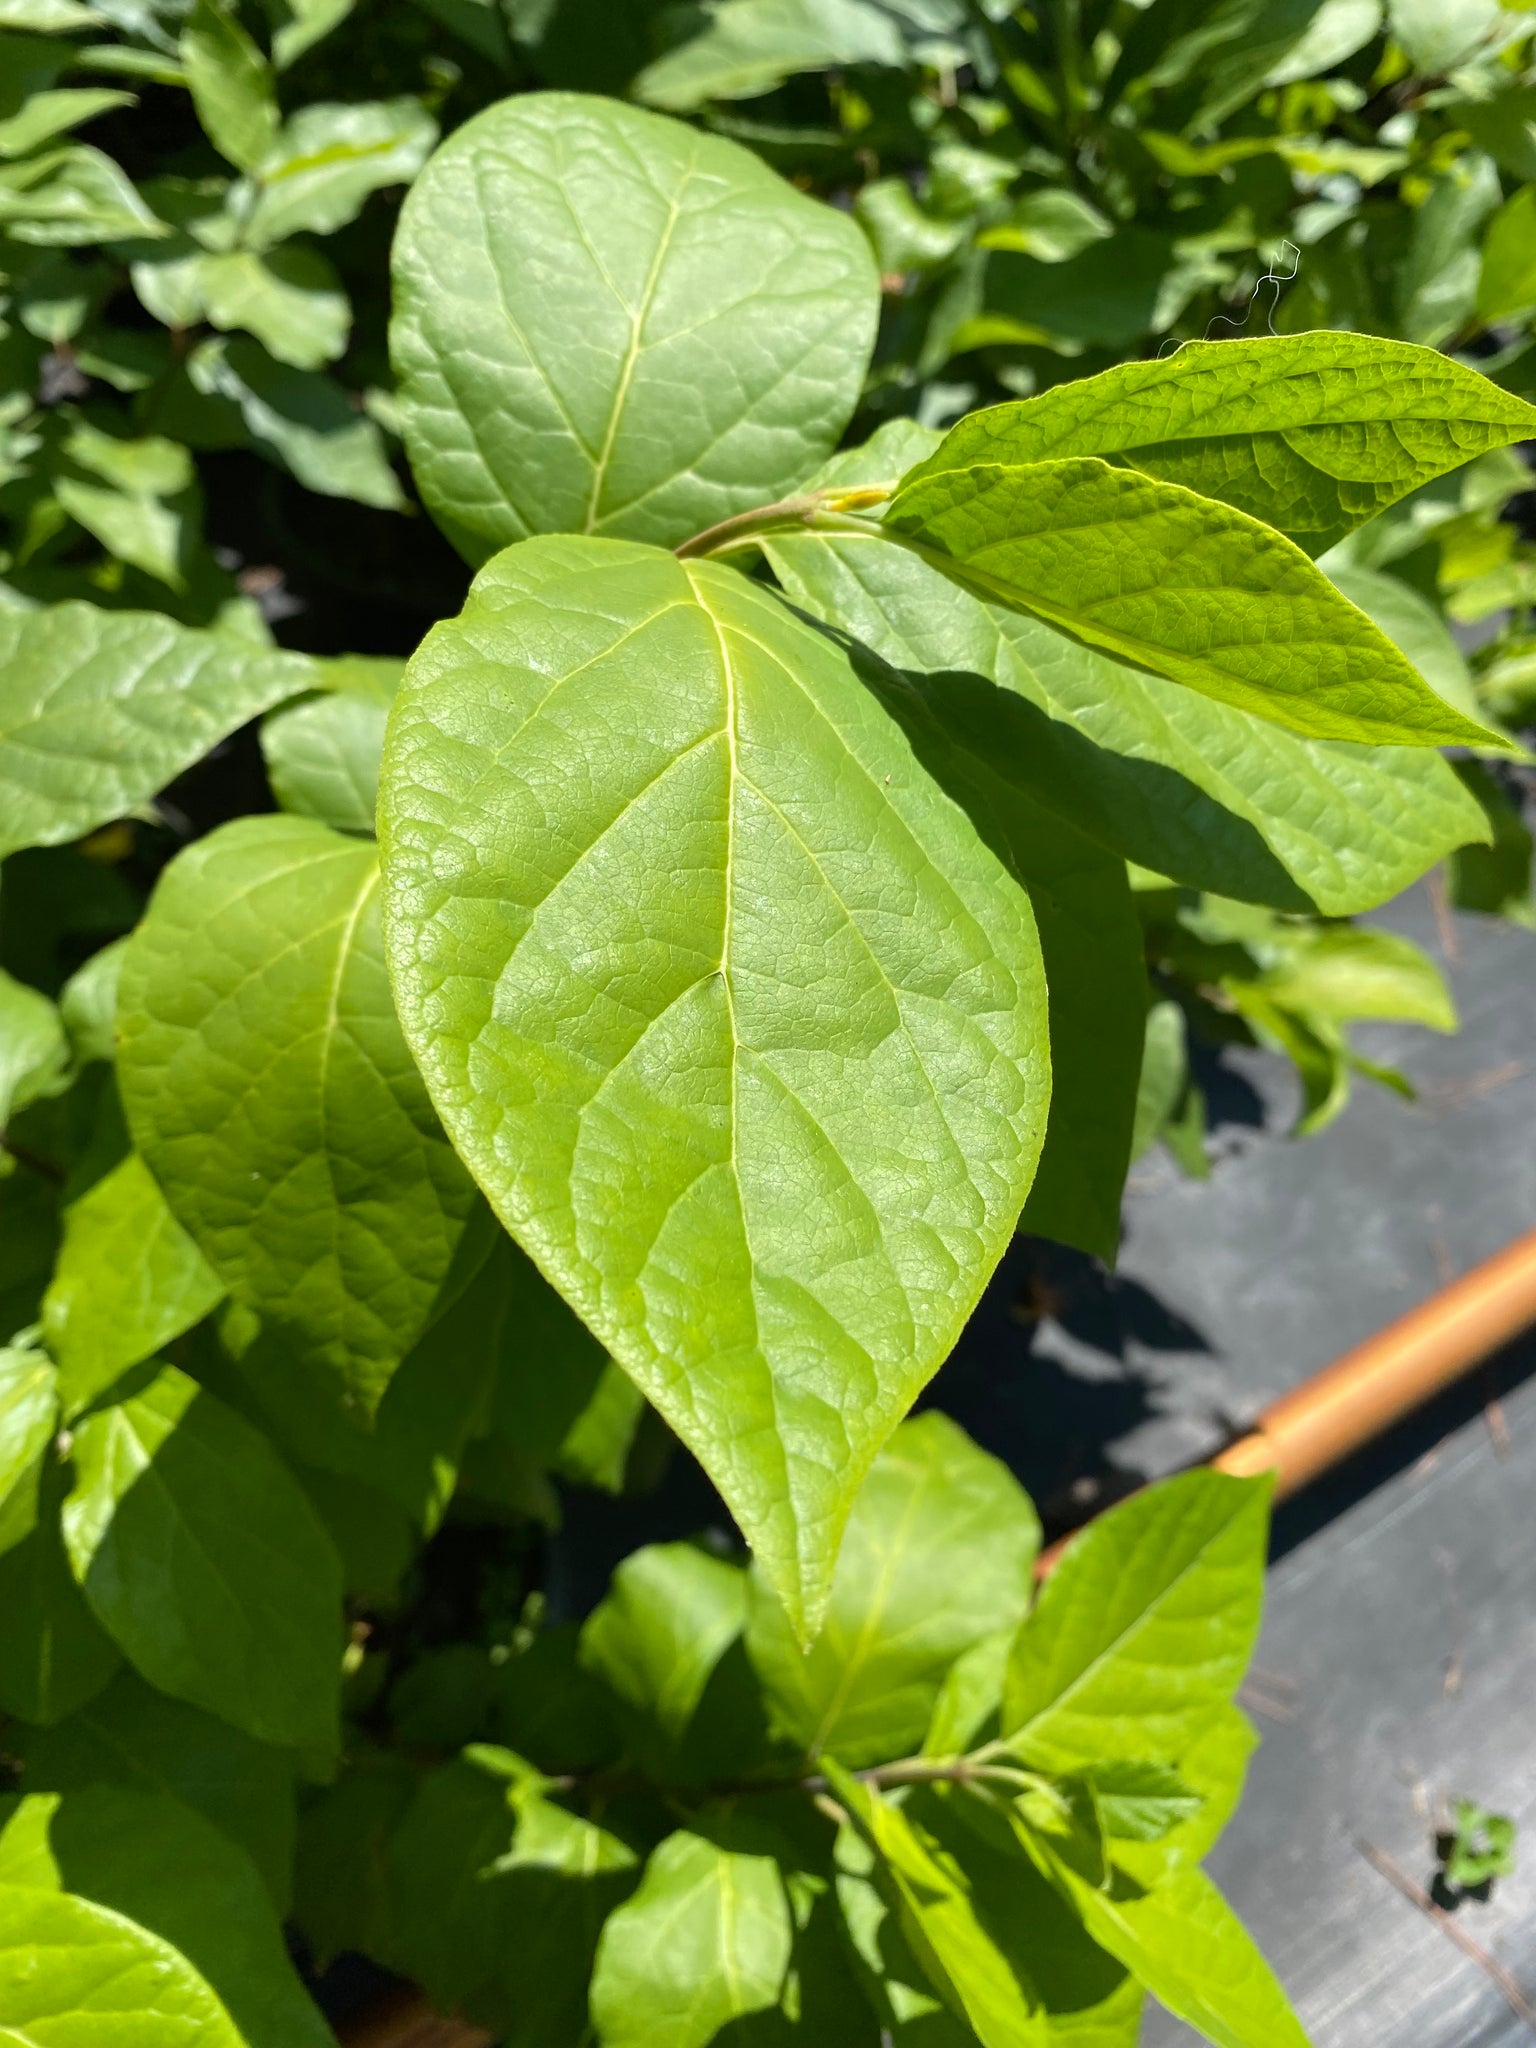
pixel 1164 1073
pixel 725 322
pixel 301 24
pixel 1144 1629
pixel 34 1052
pixel 230 82
pixel 1495 879
pixel 316 175
pixel 301 421
pixel 47 114
pixel 99 710
pixel 498 1895
pixel 937 1556
pixel 198 1551
pixel 1175 782
pixel 747 47
pixel 29 1410
pixel 72 1973
pixel 1414 626
pixel 558 1394
pixel 1436 35
pixel 1311 433
pixel 1139 1802
pixel 439 1395
pixel 1437 280
pixel 88 1005
pixel 1213 1768
pixel 290 299
pixel 938 1915
pixel 656 1639
pixel 329 1202
pixel 1095 550
pixel 728 1157
pixel 131 1735
pixel 1187 1946
pixel 128 1280
pixel 322 753
pixel 1090 940
pixel 197 1892
pixel 48 17
pixel 1341 972
pixel 70 197
pixel 704 1940
pixel 53 1655
pixel 1506 287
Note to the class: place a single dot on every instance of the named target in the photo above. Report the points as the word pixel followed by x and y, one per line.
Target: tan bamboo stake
pixel 1343 1407
pixel 1298 1437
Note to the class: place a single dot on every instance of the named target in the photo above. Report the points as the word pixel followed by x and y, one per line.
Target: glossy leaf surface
pixel 73 1974
pixel 1192 589
pixel 770 1156
pixel 608 323
pixel 1311 433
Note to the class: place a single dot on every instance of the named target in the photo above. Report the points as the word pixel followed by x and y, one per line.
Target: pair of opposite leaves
pixel 737 1017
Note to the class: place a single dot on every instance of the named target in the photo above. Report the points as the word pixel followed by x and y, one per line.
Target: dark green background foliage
pixel 670 1075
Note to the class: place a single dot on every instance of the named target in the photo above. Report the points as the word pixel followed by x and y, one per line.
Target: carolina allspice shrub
pixel 643 1017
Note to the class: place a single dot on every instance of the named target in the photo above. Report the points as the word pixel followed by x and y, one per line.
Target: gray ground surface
pixel 1398 1661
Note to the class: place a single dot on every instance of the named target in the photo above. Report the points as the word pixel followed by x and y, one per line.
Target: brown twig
pixel 1396 1876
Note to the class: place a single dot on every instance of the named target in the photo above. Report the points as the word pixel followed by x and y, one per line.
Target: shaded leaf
pixel 1174 781
pixel 198 1551
pixel 131 1735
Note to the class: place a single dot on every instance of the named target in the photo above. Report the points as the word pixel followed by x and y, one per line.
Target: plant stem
pixel 785 515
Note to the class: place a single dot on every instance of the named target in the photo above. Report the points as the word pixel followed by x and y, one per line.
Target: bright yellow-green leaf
pixel 749 1053
pixel 1181 584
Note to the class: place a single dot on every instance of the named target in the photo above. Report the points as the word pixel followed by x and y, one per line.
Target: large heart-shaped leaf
pixel 271 1093
pixel 733 1014
pixel 1180 584
pixel 606 322
pixel 99 710
pixel 1312 433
